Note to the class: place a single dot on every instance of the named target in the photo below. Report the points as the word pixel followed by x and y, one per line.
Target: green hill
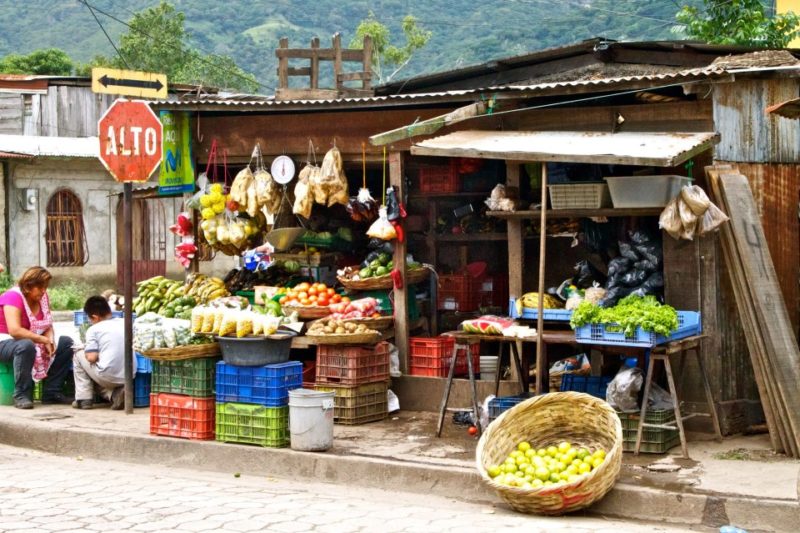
pixel 464 31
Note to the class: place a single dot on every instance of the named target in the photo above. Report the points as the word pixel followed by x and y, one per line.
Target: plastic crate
pixel 688 324
pixel 352 365
pixel 431 357
pixel 358 405
pixel 654 440
pixel 494 290
pixel 501 404
pixel 579 196
pixel 193 377
pixel 458 292
pixel 645 191
pixel 264 385
pixel 553 315
pixel 252 424
pixel 143 364
pixel 79 317
pixel 438 179
pixel 141 389
pixel 594 385
pixel 187 417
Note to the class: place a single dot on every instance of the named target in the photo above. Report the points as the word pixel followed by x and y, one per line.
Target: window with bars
pixel 65 235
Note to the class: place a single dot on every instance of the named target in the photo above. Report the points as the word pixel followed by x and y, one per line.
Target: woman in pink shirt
pixel 27 339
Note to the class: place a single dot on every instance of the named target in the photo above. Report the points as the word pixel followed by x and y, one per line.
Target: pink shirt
pixel 14 299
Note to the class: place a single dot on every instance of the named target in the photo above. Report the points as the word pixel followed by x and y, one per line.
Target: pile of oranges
pixel 311 294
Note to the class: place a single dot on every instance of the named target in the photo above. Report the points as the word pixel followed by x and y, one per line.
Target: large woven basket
pixel 180 353
pixel 414 276
pixel 546 420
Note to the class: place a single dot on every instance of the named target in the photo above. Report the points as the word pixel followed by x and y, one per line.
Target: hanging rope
pixel 364 165
pixel 383 202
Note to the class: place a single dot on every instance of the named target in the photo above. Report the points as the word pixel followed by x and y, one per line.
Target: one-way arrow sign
pixel 129 83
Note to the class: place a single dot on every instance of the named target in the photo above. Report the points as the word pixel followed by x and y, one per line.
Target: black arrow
pixel 105 81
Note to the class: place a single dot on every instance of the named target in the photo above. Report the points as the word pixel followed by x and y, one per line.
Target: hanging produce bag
pixel 303 194
pixel 329 185
pixel 382 228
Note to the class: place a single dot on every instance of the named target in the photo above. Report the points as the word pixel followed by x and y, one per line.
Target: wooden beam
pixel 367 61
pixel 302 71
pixel 516 246
pixel 396 164
pixel 283 64
pixel 430 126
pixel 354 76
pixel 337 59
pixel 315 63
pixel 323 54
pixel 541 359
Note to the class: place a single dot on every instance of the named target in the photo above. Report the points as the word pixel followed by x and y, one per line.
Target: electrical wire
pixel 110 40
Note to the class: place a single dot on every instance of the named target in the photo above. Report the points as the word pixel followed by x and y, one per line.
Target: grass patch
pixel 69 296
pixel 739 454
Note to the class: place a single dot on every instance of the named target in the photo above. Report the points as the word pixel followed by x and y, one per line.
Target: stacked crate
pixel 182 398
pixel 141 383
pixel 359 378
pixel 252 402
pixel 431 357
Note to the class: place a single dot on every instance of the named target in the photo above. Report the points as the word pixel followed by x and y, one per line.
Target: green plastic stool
pixel 6 384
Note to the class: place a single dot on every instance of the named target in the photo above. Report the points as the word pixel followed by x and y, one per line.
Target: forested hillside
pixel 464 31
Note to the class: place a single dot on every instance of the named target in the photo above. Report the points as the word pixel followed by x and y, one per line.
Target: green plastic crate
pixel 385 304
pixel 253 424
pixel 654 440
pixel 193 377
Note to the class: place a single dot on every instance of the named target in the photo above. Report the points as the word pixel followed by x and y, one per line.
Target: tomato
pixel 330 292
pixel 302 287
pixel 312 298
pixel 305 301
pixel 323 301
pixel 302 295
pixel 473 430
pixel 322 287
pixel 345 299
pixel 283 300
pixel 336 298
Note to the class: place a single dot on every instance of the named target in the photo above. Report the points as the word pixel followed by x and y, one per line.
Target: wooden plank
pixel 541 356
pixel 337 59
pixel 769 403
pixel 396 161
pixel 430 126
pixel 305 94
pixel 298 71
pixel 324 54
pixel 315 63
pixel 579 213
pixel 354 76
pixel 516 246
pixel 367 61
pixel 283 64
pixel 773 319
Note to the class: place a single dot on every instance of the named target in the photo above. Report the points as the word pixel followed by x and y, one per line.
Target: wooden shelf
pixel 448 195
pixel 580 213
pixel 463 237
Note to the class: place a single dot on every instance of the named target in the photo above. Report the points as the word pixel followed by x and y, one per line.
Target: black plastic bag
pixel 634 278
pixel 654 282
pixel 650 252
pixel 597 237
pixel 619 266
pixel 640 237
pixel 586 274
pixel 627 251
pixel 645 265
pixel 614 295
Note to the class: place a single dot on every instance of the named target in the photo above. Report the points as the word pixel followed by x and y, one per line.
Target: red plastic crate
pixel 459 292
pixel 432 356
pixel 176 415
pixel 438 179
pixel 352 365
pixel 494 290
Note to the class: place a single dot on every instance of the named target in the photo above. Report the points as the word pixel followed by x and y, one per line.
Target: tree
pixel 385 53
pixel 47 61
pixel 156 41
pixel 742 22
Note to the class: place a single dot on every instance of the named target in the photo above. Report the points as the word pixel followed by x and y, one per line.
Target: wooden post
pixel 337 60
pixel 367 81
pixel 396 164
pixel 127 276
pixel 315 63
pixel 283 65
pixel 541 360
pixel 516 258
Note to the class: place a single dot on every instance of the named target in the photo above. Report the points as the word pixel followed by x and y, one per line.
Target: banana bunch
pixel 156 294
pixel 530 300
pixel 205 288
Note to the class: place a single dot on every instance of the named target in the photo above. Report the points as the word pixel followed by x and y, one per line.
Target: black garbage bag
pixel 650 252
pixel 646 265
pixel 615 294
pixel 626 250
pixel 597 237
pixel 586 274
pixel 619 266
pixel 634 278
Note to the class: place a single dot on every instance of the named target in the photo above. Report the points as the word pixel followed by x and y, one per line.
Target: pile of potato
pixel 333 326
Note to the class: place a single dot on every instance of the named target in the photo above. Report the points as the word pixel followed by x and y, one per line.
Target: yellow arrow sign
pixel 129 83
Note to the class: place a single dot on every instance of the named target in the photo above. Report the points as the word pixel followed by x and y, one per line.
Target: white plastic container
pixel 488 367
pixel 645 191
pixel 311 420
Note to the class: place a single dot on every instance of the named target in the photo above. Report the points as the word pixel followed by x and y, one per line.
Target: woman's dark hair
pixel 34 277
pixel 96 306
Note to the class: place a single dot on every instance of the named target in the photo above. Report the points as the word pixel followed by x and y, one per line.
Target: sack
pixel 382 228
pixel 712 220
pixel 670 219
pixel 688 221
pixel 695 199
pixel 623 391
pixel 303 196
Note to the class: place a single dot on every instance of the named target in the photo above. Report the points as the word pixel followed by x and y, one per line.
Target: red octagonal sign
pixel 130 140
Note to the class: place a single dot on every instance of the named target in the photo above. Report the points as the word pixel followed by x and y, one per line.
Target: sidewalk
pixel 753 489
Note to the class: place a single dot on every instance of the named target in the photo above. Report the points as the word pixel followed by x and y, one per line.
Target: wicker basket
pixel 547 420
pixel 180 353
pixel 380 323
pixel 371 337
pixel 417 275
pixel 307 312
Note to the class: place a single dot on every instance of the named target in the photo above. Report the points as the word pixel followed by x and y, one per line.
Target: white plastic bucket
pixel 488 367
pixel 311 420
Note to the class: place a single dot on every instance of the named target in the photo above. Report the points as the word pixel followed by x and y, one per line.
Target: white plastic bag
pixel 484 415
pixel 394 361
pixel 623 391
pixel 392 401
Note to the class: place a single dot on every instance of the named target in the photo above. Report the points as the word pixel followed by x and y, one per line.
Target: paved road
pixel 41 492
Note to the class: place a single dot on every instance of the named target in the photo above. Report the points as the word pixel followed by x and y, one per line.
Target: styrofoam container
pixel 488 367
pixel 645 191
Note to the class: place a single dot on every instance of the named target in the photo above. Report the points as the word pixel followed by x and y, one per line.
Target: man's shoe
pixel 57 399
pixel 118 399
pixel 83 404
pixel 23 404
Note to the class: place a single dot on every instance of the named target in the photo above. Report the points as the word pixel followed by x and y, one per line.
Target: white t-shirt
pixel 108 338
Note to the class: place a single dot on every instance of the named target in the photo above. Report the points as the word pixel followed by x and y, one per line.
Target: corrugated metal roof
pixel 36 146
pixel 658 149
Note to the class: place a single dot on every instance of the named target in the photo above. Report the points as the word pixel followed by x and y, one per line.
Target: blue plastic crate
pixel 594 385
pixel 79 317
pixel 141 389
pixel 688 324
pixel 504 403
pixel 264 385
pixel 553 315
pixel 143 364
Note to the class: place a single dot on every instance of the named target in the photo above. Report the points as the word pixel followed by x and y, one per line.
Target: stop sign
pixel 130 140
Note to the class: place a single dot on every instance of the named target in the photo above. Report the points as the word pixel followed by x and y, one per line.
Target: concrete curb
pixel 624 501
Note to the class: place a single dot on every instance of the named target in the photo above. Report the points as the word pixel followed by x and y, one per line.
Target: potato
pixel 340 330
pixel 328 329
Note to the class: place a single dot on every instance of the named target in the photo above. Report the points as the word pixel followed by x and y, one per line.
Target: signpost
pixel 130 148
pixel 129 83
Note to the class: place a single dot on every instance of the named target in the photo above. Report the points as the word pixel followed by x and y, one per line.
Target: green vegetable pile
pixel 630 313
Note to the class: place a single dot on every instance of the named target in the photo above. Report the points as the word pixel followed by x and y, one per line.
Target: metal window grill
pixel 65 235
